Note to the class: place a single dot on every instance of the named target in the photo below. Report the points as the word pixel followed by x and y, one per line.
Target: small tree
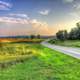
pixel 60 35
pixel 65 34
pixel 38 36
pixel 32 36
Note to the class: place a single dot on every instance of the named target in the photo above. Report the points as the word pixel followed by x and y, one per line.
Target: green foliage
pixel 32 36
pixel 62 35
pixel 74 34
pixel 52 41
pixel 38 36
pixel 69 43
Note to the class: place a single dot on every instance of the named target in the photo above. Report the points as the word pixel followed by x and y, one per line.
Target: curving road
pixel 74 52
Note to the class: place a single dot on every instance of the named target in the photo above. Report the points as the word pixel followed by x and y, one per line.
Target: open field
pixel 20 40
pixel 44 64
pixel 69 43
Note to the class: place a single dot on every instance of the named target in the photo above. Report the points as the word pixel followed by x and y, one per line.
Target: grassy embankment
pixel 44 64
pixel 69 43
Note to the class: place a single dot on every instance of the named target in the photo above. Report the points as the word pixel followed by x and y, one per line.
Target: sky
pixel 44 17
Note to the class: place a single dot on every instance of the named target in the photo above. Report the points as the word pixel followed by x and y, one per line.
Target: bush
pixel 52 41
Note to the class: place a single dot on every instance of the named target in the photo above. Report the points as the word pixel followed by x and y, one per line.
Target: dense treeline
pixel 74 34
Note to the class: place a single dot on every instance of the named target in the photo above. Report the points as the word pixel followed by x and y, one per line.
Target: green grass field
pixel 69 43
pixel 44 64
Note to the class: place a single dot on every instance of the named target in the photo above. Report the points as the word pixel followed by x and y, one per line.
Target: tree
pixel 32 36
pixel 65 34
pixel 73 34
pixel 38 36
pixel 78 30
pixel 60 35
pixel 78 24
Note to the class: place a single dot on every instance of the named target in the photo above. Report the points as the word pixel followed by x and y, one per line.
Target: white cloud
pixel 76 6
pixel 40 27
pixel 19 15
pixel 5 5
pixel 44 12
pixel 73 14
pixel 30 26
pixel 13 20
pixel 76 10
pixel 68 1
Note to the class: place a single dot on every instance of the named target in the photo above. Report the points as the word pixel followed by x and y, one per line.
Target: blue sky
pixel 45 17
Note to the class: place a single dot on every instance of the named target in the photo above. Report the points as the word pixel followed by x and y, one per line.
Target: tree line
pixel 35 36
pixel 74 34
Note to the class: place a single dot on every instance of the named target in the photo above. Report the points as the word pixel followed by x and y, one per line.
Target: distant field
pixel 39 63
pixel 20 40
pixel 70 43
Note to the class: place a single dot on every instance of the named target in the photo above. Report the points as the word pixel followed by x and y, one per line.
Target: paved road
pixel 74 52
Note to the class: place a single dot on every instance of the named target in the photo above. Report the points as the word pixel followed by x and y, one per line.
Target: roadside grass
pixel 45 64
pixel 69 43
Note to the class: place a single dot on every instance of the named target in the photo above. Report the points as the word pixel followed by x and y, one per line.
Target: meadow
pixel 29 61
pixel 36 40
pixel 69 43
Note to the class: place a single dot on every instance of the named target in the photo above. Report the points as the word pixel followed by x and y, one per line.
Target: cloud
pixel 13 20
pixel 44 12
pixel 19 15
pixel 76 6
pixel 76 10
pixel 23 26
pixel 40 27
pixel 68 1
pixel 5 5
pixel 74 14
